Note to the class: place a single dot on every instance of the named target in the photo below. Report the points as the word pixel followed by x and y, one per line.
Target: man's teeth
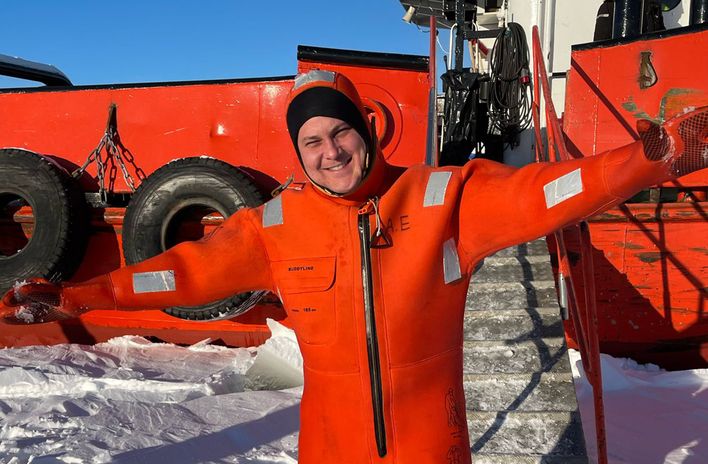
pixel 338 166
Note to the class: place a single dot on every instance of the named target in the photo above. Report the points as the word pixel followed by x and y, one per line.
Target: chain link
pixel 107 144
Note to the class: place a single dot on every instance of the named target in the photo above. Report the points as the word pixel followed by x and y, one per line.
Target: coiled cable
pixel 510 84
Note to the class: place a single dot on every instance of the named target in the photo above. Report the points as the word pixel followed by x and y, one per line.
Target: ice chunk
pixel 278 364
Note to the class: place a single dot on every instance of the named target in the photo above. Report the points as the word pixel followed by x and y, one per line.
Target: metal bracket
pixel 647 73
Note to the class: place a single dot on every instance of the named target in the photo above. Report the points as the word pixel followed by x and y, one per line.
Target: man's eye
pixel 343 131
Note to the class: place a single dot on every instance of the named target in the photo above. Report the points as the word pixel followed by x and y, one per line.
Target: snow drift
pixel 132 401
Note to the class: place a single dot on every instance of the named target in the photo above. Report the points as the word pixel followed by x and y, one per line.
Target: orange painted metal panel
pixel 651 260
pixel 651 282
pixel 156 124
pixel 604 99
pixel 240 122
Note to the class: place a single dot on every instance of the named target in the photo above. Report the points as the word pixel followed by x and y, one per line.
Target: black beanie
pixel 325 101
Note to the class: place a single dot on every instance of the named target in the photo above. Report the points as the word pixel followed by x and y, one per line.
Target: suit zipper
pixel 372 344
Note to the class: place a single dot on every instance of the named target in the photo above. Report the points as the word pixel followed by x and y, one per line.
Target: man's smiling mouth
pixel 339 166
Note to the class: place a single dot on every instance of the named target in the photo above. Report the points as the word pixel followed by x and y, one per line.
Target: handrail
pixel 23 69
pixel 585 324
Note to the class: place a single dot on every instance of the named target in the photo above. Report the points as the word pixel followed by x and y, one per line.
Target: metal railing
pixel 584 318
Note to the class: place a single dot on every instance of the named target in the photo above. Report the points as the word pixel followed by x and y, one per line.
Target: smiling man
pixel 329 132
pixel 332 153
pixel 372 263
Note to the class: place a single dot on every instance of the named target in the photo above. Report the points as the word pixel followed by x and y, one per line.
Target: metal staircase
pixel 518 383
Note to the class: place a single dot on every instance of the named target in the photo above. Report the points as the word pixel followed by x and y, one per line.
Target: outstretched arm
pixel 231 260
pixel 502 206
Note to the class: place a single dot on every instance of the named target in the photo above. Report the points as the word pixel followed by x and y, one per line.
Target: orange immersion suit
pixel 380 328
pixel 374 283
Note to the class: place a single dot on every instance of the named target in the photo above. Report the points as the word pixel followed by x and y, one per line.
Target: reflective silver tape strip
pixel 451 262
pixel 563 296
pixel 151 282
pixel 273 212
pixel 566 186
pixel 313 76
pixel 436 188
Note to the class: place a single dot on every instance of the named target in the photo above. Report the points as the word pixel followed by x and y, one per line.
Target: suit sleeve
pixel 231 260
pixel 502 206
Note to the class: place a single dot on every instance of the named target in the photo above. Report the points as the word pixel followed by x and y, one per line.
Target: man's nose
pixel 331 148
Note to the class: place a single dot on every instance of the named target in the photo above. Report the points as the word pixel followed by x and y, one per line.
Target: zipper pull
pixel 380 238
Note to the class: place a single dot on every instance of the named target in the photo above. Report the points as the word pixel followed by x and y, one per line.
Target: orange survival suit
pixel 374 283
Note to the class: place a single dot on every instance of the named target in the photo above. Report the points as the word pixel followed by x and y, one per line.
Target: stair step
pixel 518 384
pixel 528 356
pixel 511 295
pixel 514 269
pixel 526 433
pixel 518 459
pixel 516 324
pixel 535 248
pixel 520 392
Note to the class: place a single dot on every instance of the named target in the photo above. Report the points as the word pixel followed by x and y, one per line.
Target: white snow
pixel 24 314
pixel 132 401
pixel 129 400
pixel 651 416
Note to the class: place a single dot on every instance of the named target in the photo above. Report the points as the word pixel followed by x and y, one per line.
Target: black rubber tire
pixel 180 184
pixel 58 241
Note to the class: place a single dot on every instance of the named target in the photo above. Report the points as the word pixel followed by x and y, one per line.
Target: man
pixel 372 263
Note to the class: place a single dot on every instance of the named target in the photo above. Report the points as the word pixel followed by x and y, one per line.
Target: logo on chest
pixel 398 224
pixel 300 268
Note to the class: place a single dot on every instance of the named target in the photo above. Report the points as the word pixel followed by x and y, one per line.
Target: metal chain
pixel 107 142
pixel 124 169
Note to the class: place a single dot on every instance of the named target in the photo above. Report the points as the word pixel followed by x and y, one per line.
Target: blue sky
pixel 98 42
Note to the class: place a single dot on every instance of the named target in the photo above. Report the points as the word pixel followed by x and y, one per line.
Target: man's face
pixel 333 153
